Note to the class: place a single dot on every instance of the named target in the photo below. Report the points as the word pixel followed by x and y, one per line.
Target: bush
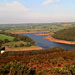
pixel 57 70
pixel 15 45
pixel 21 45
pixel 59 65
pixel 6 41
pixel 72 69
pixel 16 68
pixel 54 61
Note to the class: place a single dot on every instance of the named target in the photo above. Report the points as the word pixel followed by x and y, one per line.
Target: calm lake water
pixel 44 43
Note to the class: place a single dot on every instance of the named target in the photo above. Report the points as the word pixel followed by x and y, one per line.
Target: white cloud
pixel 12 12
pixel 16 12
pixel 49 1
pixel 12 7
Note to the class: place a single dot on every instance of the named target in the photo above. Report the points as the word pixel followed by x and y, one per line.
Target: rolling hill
pixel 65 34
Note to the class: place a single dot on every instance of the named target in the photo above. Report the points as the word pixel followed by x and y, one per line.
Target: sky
pixel 36 11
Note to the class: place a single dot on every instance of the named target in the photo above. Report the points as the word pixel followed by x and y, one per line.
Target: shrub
pixel 72 69
pixel 54 61
pixel 57 70
pixel 59 65
pixel 6 41
pixel 21 45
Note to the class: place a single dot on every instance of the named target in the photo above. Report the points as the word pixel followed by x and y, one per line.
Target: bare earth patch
pixel 66 24
pixel 24 48
pixel 60 41
pixel 42 34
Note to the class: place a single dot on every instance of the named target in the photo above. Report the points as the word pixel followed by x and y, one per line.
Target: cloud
pixel 12 12
pixel 49 1
pixel 16 12
pixel 13 7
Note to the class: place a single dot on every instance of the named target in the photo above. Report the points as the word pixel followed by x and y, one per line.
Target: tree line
pixel 17 37
pixel 65 34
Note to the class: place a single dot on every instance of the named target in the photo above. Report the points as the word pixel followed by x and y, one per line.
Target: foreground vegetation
pixel 17 68
pixel 65 34
pixel 55 61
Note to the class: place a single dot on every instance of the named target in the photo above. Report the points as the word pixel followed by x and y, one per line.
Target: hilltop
pixel 65 34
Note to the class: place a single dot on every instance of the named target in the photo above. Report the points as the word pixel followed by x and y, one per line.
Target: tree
pixel 6 41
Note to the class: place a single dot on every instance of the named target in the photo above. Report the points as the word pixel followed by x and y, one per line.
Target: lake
pixel 45 44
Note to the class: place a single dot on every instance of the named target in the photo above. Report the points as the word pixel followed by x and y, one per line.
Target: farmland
pixel 35 27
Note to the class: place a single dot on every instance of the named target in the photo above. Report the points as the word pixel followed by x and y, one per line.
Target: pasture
pixel 3 36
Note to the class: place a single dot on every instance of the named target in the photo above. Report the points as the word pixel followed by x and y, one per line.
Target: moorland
pixel 55 61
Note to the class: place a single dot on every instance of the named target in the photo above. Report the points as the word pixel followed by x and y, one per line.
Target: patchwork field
pixel 39 27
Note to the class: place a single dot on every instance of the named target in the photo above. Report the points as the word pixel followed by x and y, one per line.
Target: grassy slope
pixel 2 37
pixel 16 45
pixel 12 44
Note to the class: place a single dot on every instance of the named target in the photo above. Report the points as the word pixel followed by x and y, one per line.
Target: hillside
pixel 55 61
pixel 16 42
pixel 65 34
pixel 3 36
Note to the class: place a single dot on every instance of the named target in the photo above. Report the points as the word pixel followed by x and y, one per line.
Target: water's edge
pixel 45 43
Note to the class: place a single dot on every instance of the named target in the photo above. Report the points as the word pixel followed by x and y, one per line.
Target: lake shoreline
pixel 50 38
pixel 25 49
pixel 42 34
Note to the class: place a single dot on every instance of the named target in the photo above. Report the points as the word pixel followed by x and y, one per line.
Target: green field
pixel 39 27
pixel 3 36
pixel 16 44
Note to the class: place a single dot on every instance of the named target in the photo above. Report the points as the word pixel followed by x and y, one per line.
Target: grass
pixel 12 44
pixel 23 48
pixel 19 45
pixel 2 37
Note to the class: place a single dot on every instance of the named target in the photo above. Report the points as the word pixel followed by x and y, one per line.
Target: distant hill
pixel 66 24
pixel 65 34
